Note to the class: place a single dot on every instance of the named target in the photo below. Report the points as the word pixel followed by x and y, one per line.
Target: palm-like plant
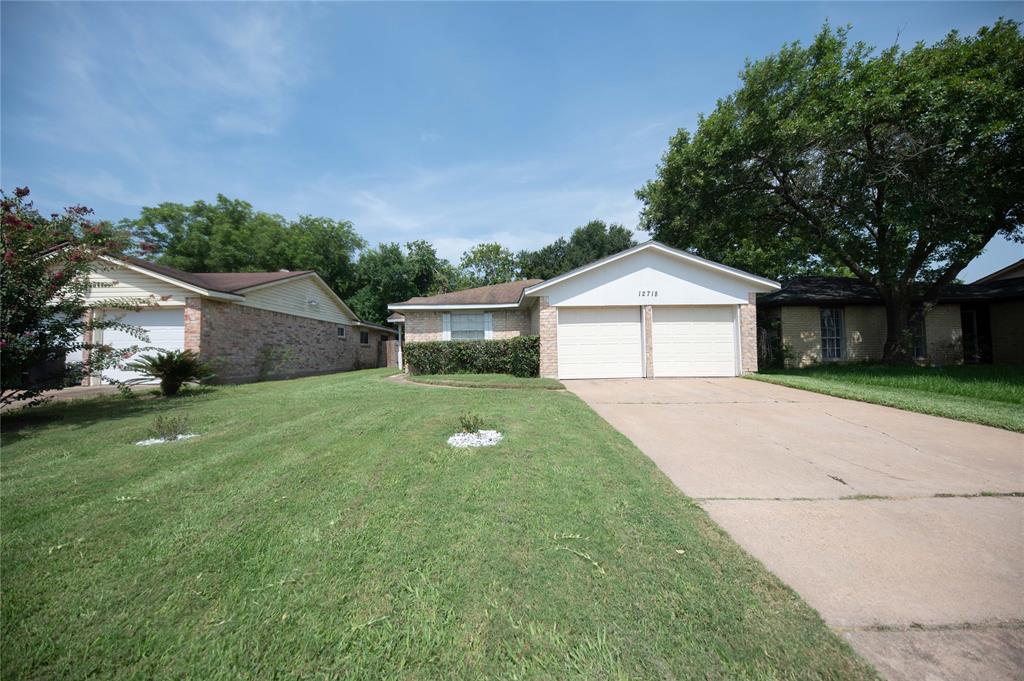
pixel 172 368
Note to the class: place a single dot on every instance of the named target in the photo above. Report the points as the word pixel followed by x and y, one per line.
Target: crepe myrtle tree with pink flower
pixel 43 288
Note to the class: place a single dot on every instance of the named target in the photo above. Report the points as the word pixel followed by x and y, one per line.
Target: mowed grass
pixel 487 381
pixel 321 528
pixel 992 395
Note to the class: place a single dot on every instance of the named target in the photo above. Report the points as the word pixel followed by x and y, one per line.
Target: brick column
pixel 193 324
pixel 548 338
pixel 748 335
pixel 648 341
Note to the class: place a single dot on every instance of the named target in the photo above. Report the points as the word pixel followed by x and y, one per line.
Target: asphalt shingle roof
pixel 496 294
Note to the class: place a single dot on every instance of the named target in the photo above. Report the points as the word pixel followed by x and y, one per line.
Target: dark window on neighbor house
pixel 341 332
pixel 918 336
pixel 831 333
pixel 364 337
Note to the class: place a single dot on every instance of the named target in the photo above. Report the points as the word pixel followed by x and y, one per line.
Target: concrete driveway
pixel 902 530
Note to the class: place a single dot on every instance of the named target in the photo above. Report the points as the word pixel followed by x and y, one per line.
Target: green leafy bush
pixel 519 356
pixel 170 426
pixel 172 368
pixel 470 423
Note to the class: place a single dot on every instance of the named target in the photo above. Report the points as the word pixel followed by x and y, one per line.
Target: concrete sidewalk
pixel 839 499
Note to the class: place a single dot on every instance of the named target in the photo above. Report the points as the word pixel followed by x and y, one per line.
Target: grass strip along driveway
pixel 989 395
pixel 322 528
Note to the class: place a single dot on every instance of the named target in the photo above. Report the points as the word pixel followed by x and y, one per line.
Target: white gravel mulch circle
pixel 481 438
pixel 161 440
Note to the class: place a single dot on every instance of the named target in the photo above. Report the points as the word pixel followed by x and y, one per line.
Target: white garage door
pixel 166 329
pixel 694 341
pixel 599 342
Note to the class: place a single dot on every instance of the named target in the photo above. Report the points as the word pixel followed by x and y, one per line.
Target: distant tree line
pixel 229 235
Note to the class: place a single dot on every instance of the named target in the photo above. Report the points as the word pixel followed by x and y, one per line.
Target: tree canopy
pixel 389 274
pixel 897 166
pixel 43 287
pixel 228 235
pixel 592 241
pixel 486 264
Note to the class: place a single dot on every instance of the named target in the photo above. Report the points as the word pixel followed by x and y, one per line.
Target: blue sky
pixel 457 123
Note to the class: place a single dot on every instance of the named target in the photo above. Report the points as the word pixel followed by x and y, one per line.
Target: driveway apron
pixel 905 531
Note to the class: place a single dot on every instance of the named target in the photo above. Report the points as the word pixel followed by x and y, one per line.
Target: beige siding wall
pixel 944 335
pixel 305 297
pixel 1007 332
pixel 535 320
pixel 110 282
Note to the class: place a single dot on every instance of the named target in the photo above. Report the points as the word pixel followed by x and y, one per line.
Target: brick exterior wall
pixel 748 335
pixel 422 326
pixel 548 327
pixel 801 326
pixel 864 334
pixel 510 323
pixel 425 325
pixel 944 335
pixel 240 342
pixel 1007 332
pixel 193 323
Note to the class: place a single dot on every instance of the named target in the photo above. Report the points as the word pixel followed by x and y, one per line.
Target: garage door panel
pixel 694 341
pixel 165 329
pixel 599 343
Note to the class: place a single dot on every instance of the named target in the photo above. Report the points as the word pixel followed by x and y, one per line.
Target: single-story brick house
pixel 822 319
pixel 649 311
pixel 248 325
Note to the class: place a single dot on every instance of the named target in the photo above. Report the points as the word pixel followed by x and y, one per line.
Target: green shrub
pixel 518 356
pixel 172 368
pixel 470 423
pixel 169 427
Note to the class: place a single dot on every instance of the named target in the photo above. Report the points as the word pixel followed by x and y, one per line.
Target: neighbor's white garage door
pixel 599 342
pixel 694 341
pixel 166 330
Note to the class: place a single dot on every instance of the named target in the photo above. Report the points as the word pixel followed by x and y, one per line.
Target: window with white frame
pixel 468 326
pixel 341 332
pixel 831 333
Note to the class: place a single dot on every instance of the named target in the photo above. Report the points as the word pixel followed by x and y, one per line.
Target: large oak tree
pixel 898 166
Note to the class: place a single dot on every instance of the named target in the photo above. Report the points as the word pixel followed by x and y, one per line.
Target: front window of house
pixel 831 333
pixel 364 337
pixel 468 326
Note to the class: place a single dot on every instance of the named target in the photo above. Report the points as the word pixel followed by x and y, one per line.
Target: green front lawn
pixel 990 395
pixel 487 381
pixel 322 528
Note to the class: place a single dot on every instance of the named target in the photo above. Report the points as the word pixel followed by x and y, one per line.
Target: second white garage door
pixel 600 342
pixel 694 341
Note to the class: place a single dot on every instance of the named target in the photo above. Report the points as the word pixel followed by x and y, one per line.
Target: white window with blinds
pixel 468 326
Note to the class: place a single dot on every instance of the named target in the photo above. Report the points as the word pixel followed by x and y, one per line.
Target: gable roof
pixel 661 248
pixel 507 295
pixel 224 282
pixel 851 291
pixel 1013 270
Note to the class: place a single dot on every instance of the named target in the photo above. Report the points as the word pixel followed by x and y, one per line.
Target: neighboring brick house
pixel 649 311
pixel 822 319
pixel 248 325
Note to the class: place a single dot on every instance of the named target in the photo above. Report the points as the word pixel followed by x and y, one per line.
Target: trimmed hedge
pixel 519 356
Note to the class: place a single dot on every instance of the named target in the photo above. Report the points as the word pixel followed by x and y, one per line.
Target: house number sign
pixel 648 293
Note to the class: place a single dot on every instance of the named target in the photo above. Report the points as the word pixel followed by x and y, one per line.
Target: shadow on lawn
pixel 19 424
